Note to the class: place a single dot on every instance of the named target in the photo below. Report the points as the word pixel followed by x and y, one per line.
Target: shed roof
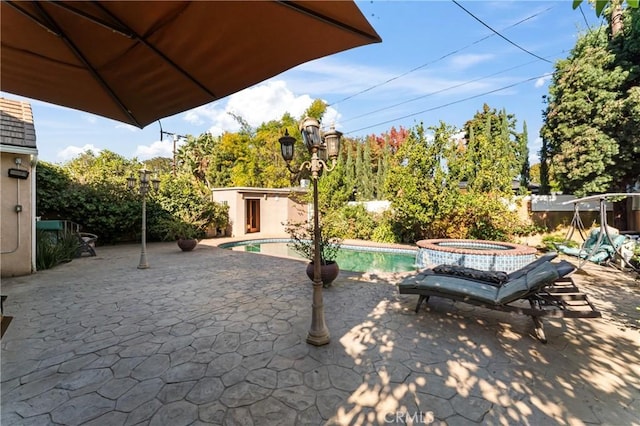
pixel 16 124
pixel 247 189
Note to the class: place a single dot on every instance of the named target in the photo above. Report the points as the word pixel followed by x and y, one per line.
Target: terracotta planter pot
pixel 187 244
pixel 328 272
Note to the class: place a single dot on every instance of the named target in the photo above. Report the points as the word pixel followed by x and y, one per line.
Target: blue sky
pixel 436 62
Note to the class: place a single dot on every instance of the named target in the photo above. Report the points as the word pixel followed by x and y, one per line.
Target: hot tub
pixel 478 254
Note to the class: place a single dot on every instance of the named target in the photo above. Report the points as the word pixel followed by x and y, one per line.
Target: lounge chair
pixel 545 285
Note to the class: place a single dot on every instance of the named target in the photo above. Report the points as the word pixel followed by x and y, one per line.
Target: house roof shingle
pixel 16 124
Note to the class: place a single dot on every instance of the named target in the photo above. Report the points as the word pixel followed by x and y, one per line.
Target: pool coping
pixel 215 242
pixel 511 249
pixel 349 245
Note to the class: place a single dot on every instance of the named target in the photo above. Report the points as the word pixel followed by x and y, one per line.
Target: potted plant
pixel 185 233
pixel 301 234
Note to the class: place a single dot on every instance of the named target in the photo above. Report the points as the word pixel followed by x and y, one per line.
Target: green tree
pixel 349 166
pixel 332 191
pixel 185 200
pixel 417 182
pixel 226 150
pixel 592 120
pixel 316 110
pixel 491 157
pixel 195 155
pixel 600 5
pixel 161 165
pixel 91 190
pixel 271 166
pixel 534 173
pixel 106 167
pixel 360 172
pixel 52 190
pixel 522 157
pixel 384 159
pixel 366 181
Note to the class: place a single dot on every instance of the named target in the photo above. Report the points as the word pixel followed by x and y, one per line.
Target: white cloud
pixel 461 62
pixel 89 118
pixel 542 81
pixel 331 80
pixel 157 149
pixel 256 105
pixel 194 116
pixel 126 127
pixel 534 150
pixel 332 76
pixel 73 151
pixel 266 102
pixel 334 79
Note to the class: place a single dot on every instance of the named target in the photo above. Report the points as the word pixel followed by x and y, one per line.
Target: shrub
pixel 551 242
pixel 352 221
pixel 52 250
pixel 383 233
pixel 98 201
pixel 477 215
pixel 188 203
pixel 301 234
pixel 172 228
pixel 635 259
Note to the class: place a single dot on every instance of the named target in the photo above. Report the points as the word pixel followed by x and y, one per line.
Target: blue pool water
pixel 350 258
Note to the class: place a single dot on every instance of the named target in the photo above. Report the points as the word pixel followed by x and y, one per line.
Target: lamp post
pixel 145 179
pixel 320 147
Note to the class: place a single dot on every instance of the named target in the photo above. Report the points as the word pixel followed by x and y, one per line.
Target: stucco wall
pixel 229 198
pixel 275 209
pixel 15 228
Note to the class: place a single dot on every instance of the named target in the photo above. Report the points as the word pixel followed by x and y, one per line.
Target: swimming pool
pixel 350 257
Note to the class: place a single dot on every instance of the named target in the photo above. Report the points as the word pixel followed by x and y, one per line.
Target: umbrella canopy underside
pixel 137 62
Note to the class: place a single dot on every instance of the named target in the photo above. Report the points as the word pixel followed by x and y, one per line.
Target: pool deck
pixel 215 336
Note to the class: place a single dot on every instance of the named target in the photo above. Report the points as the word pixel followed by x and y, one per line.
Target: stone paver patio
pixel 218 337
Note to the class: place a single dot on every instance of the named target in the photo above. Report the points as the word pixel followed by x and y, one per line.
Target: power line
pixel 455 86
pixel 451 103
pixel 440 58
pixel 498 34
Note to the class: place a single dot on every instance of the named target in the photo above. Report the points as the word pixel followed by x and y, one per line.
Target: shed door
pixel 253 215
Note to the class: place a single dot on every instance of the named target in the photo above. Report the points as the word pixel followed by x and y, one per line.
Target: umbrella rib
pixel 121 31
pixel 30 16
pixel 151 47
pixel 299 8
pixel 51 22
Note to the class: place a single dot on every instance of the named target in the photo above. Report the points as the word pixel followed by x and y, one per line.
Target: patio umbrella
pixel 139 61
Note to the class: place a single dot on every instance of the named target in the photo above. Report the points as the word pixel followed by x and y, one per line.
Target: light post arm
pixel 305 165
pixel 320 165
